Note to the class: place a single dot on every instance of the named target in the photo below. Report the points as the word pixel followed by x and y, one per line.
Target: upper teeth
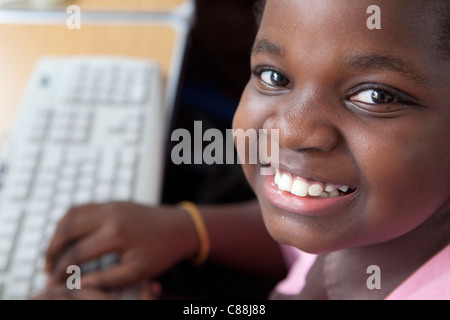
pixel 302 187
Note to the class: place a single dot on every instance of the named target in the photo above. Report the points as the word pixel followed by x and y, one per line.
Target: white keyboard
pixel 88 131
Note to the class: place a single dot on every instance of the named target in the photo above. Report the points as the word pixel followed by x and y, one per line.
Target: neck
pixel 346 271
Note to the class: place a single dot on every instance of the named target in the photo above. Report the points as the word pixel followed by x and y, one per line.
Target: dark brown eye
pixel 274 78
pixel 373 96
pixel 380 96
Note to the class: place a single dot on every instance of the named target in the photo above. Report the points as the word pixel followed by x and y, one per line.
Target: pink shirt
pixel 429 282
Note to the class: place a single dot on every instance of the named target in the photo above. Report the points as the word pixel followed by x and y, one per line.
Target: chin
pixel 311 235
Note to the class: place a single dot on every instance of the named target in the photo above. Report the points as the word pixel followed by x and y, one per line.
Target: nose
pixel 306 125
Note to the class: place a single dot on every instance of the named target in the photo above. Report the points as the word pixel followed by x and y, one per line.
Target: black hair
pixel 258 10
pixel 442 32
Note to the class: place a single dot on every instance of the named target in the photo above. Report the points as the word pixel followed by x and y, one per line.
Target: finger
pixel 89 294
pixel 87 249
pixel 54 293
pixel 73 226
pixel 151 291
pixel 118 276
pixel 63 293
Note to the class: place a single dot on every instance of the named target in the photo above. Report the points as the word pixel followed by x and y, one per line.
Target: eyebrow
pixel 387 63
pixel 363 62
pixel 265 46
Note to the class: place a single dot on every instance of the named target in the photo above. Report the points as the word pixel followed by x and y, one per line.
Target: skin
pixel 310 82
pixel 395 154
pixel 151 240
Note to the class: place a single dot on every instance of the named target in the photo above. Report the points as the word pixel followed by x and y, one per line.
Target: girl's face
pixel 364 108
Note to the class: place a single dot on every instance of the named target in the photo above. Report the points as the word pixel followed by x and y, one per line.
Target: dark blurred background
pixel 217 68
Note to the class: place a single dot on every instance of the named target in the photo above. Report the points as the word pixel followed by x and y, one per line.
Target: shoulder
pixel 429 282
pixel 299 263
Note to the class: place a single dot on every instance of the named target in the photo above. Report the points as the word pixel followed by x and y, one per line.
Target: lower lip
pixel 305 206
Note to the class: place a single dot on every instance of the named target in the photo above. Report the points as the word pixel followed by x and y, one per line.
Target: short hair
pixel 442 32
pixel 258 10
pixel 443 29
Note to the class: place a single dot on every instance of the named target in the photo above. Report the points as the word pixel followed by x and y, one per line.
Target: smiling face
pixel 357 108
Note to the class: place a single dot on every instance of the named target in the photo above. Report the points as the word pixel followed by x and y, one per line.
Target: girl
pixel 360 200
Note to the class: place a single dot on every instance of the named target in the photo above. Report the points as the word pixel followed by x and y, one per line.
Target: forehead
pixel 407 21
pixel 325 27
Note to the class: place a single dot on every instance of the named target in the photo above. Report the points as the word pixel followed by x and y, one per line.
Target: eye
pixel 273 78
pixel 375 96
pixel 380 100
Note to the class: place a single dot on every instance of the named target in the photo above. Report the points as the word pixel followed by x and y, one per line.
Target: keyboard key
pixel 88 168
pixel 67 182
pixel 107 167
pixel 4 260
pixel 125 175
pixel 19 191
pixel 6 244
pixel 79 134
pixel 62 199
pixel 128 159
pixel 58 133
pixel 35 219
pixel 27 254
pixel 10 213
pixel 82 196
pixel 37 207
pixel 58 212
pixel 22 271
pixel 47 174
pixel 8 229
pixel 122 192
pixel 30 237
pixel 136 94
pixel 39 282
pixel 102 192
pixel 86 182
pixel 17 291
pixel 52 159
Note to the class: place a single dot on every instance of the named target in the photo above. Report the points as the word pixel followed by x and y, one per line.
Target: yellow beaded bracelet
pixel 197 218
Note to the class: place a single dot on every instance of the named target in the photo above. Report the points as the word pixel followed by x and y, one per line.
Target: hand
pixel 148 291
pixel 61 292
pixel 149 241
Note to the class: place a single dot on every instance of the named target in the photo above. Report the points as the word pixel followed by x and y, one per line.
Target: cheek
pixel 405 178
pixel 249 117
pixel 250 113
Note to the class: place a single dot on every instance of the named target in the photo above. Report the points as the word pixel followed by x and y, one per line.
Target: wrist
pixel 202 236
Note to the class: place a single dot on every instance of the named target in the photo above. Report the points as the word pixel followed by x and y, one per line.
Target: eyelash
pixel 258 72
pixel 400 100
pixel 399 97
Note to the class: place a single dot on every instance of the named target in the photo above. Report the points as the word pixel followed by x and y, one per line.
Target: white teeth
pixel 315 190
pixel 334 193
pixel 277 177
pixel 330 188
pixel 302 188
pixel 285 183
